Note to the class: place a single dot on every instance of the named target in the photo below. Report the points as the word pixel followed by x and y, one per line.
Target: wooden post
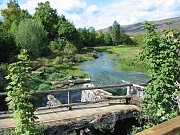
pixel 128 91
pixel 69 99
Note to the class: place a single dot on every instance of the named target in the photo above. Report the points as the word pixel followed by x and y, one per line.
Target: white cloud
pixel 103 15
pixel 30 5
pixel 61 5
pixel 133 11
pixel 92 9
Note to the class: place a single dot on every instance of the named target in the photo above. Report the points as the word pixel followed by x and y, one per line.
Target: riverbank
pixel 126 57
pixel 59 68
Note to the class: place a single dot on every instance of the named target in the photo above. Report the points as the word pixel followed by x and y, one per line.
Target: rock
pixel 93 95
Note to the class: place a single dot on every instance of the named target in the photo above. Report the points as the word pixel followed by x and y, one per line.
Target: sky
pixel 102 13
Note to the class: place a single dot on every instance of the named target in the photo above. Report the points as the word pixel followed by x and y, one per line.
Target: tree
pixel 67 31
pixel 87 36
pixel 8 46
pixel 25 14
pixel 162 57
pixel 11 13
pixel 92 35
pixel 139 39
pixel 127 40
pixel 110 30
pixel 108 39
pixel 31 36
pixel 100 38
pixel 123 36
pixel 116 33
pixel 48 17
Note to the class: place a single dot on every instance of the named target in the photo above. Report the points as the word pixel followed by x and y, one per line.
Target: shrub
pixel 3 73
pixel 56 77
pixel 44 86
pixel 58 45
pixel 57 60
pixel 48 70
pixel 70 48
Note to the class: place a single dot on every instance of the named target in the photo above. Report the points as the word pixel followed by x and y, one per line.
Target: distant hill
pixel 139 27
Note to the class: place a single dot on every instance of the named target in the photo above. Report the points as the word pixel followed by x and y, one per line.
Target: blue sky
pixel 102 13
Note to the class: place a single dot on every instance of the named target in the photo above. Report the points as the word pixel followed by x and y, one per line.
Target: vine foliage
pixel 20 95
pixel 161 54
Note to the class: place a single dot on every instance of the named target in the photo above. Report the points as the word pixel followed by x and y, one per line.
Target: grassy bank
pixel 126 57
pixel 59 68
pixel 55 67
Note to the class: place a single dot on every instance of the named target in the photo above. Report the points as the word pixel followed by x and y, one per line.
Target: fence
pixel 129 89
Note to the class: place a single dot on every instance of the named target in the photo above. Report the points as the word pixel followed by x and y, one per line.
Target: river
pixel 102 72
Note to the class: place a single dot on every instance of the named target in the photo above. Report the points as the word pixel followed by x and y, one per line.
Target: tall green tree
pixel 48 17
pixel 100 38
pixel 25 14
pixel 87 36
pixel 123 36
pixel 11 13
pixel 92 35
pixel 31 36
pixel 116 33
pixel 110 30
pixel 67 31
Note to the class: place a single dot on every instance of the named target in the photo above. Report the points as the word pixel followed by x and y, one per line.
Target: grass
pixel 126 57
pixel 59 68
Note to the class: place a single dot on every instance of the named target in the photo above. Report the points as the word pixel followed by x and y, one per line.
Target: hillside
pixel 139 27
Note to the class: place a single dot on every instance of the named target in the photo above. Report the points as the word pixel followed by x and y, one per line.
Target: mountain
pixel 139 27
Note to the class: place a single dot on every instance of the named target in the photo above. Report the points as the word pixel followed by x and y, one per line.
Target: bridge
pixel 62 118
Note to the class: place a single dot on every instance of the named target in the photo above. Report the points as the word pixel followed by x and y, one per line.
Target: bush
pixel 44 86
pixel 3 73
pixel 48 70
pixel 56 77
pixel 70 48
pixel 57 60
pixel 79 58
pixel 58 45
pixel 139 39
pixel 46 51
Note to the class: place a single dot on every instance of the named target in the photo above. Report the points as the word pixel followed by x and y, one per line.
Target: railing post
pixel 138 93
pixel 69 99
pixel 128 93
